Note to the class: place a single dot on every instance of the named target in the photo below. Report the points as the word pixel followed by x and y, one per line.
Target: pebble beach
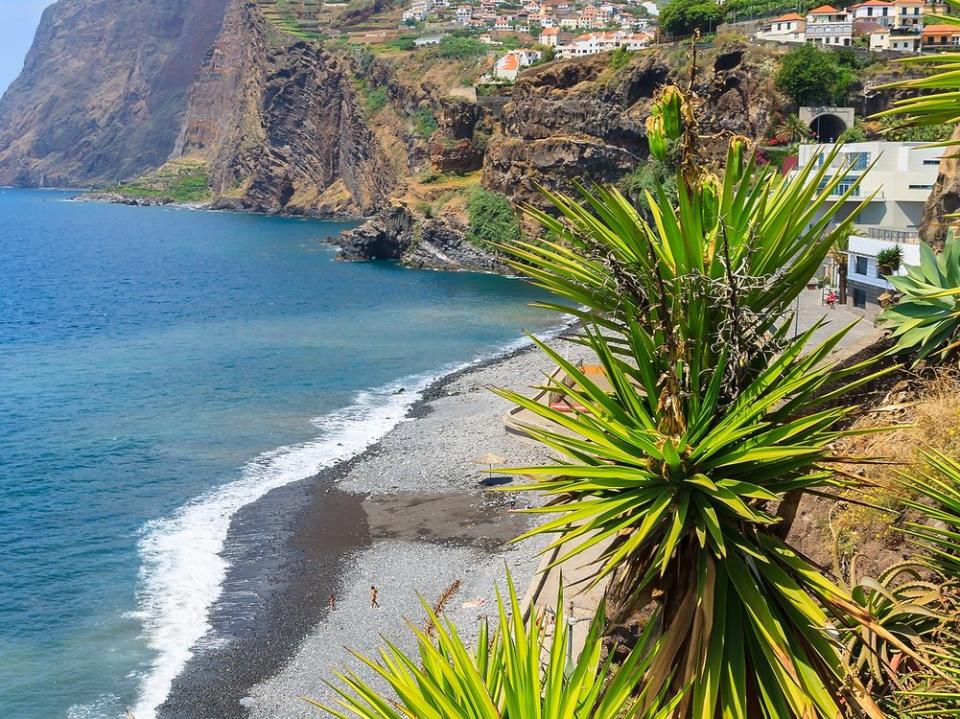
pixel 412 516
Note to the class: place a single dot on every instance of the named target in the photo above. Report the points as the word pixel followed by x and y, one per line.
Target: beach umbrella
pixel 489 459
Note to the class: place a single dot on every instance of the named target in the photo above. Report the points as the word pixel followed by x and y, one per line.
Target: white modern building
pixel 897 185
pixel 902 177
pixel 597 42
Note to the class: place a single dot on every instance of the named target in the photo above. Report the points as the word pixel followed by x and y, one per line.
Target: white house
pixel 865 282
pixel 878 11
pixel 510 65
pixel 826 25
pixel 550 36
pixel 786 28
pixel 895 40
pixel 909 14
pixel 898 185
pixel 597 42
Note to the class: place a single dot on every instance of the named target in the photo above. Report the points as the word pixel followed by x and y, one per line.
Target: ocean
pixel 160 368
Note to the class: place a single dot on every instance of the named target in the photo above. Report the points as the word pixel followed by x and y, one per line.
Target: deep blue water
pixel 159 368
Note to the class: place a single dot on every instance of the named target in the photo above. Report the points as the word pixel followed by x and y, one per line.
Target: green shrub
pixel 424 123
pixel 810 76
pixel 492 219
pixel 682 17
pixel 619 58
pixel 460 48
pixel 889 259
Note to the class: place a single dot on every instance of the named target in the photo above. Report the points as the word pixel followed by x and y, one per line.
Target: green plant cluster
pixel 682 17
pixel 679 475
pixel 810 76
pixel 373 97
pixel 424 123
pixel 460 48
pixel 926 319
pixel 492 219
pixel 185 186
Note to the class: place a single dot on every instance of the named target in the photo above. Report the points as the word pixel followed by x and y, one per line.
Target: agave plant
pixel 926 319
pixel 685 469
pixel 934 494
pixel 909 605
pixel 521 671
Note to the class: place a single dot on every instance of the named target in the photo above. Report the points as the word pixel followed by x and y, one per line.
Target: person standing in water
pixel 374 593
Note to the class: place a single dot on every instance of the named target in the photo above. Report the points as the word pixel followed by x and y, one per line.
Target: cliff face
pixel 944 200
pixel 115 88
pixel 583 120
pixel 104 89
pixel 279 126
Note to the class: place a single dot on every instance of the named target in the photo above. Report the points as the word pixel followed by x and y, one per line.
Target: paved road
pixel 812 309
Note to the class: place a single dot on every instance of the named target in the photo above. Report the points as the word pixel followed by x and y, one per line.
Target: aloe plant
pixel 520 671
pixel 926 319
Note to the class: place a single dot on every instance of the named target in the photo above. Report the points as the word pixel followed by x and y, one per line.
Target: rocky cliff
pixel 279 126
pixel 583 118
pixel 113 89
pixel 104 89
pixel 944 200
pixel 235 96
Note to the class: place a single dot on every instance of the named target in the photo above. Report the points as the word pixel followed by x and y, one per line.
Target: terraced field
pixel 305 19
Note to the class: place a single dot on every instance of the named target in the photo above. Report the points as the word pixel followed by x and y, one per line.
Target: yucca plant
pixel 520 671
pixel 688 467
pixel 926 319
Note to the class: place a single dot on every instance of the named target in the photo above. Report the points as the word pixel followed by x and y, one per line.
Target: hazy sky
pixel 18 20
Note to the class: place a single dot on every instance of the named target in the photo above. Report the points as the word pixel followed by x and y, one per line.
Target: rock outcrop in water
pixel 435 243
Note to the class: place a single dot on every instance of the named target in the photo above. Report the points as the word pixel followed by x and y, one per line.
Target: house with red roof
pixel 786 28
pixel 826 25
pixel 941 37
pixel 878 11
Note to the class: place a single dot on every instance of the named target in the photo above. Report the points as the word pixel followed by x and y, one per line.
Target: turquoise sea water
pixel 159 369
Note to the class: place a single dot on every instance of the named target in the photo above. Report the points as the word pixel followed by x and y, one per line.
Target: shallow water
pixel 159 369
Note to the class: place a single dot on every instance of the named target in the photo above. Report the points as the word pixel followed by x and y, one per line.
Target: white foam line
pixel 182 570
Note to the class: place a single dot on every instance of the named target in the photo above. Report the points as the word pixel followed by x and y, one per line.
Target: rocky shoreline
pixel 425 243
pixel 411 515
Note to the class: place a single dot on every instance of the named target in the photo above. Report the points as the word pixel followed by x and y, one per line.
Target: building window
pixel 859 299
pixel 932 162
pixel 858 160
pixel 861 265
pixel 921 187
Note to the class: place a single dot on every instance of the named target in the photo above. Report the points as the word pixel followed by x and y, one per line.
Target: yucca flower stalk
pixel 520 671
pixel 688 469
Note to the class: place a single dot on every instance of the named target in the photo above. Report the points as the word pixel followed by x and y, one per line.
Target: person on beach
pixel 374 593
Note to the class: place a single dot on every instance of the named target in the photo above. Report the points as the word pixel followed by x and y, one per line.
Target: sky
pixel 18 21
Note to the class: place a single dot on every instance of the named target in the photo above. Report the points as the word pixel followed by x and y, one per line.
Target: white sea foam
pixel 182 570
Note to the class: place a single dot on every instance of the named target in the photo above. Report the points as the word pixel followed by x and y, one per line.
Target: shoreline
pixel 356 523
pixel 116 198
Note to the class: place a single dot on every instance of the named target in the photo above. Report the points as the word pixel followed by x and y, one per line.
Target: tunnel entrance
pixel 827 127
